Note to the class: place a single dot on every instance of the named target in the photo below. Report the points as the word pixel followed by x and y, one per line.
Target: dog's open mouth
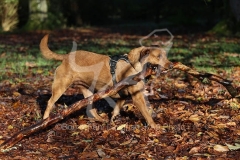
pixel 157 69
pixel 153 70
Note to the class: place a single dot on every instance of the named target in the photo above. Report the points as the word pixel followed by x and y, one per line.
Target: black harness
pixel 113 62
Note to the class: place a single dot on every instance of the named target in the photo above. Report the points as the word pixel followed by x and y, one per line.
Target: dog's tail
pixel 46 52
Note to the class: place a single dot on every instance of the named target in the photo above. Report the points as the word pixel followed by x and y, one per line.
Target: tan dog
pixel 83 66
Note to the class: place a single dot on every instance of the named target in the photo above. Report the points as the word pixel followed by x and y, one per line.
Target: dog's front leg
pixel 139 101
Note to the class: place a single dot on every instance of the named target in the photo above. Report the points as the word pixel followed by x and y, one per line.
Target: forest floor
pixel 196 119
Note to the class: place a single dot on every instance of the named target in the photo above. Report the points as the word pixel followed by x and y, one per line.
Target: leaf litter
pixel 196 120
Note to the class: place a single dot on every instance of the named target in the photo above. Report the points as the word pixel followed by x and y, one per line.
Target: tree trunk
pixel 38 14
pixel 8 14
pixel 235 7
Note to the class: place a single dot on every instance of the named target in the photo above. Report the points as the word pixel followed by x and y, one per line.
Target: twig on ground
pixel 226 83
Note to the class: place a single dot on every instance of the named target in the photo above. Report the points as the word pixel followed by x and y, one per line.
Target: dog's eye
pixel 146 52
pixel 154 68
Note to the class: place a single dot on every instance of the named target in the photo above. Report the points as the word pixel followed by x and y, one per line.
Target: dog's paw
pixel 153 125
pixel 112 120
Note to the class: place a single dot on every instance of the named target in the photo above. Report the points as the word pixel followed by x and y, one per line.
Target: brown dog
pixel 93 72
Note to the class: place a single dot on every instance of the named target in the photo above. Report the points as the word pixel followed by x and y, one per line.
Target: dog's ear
pixel 144 52
pixel 135 54
pixel 134 57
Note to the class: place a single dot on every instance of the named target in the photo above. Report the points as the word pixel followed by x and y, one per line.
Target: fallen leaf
pixel 231 124
pixel 3 55
pixel 75 133
pixel 30 64
pixel 16 104
pixel 101 153
pixel 126 142
pixel 89 155
pixel 83 126
pixel 10 127
pixel 137 131
pixel 220 148
pixel 156 140
pixel 194 118
pixel 1 141
pixel 121 127
pixel 194 150
pixel 105 133
pixel 182 158
pixel 238 132
pixel 16 94
pixel 233 147
pixel 221 125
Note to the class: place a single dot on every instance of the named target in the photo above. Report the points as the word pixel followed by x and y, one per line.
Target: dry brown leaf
pixel 233 124
pixel 213 134
pixel 121 127
pixel 105 133
pixel 83 126
pixel 194 118
pixel 126 142
pixel 156 140
pixel 194 150
pixel 89 155
pixel 220 148
pixel 180 85
pixel 16 94
pixel 10 127
pixel 16 104
pixel 238 132
pixel 221 125
pixel 30 64
pixel 101 153
pixel 137 131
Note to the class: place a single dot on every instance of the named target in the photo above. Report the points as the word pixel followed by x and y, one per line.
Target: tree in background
pixel 41 14
pixel 229 23
pixel 235 6
pixel 182 16
pixel 38 14
pixel 9 14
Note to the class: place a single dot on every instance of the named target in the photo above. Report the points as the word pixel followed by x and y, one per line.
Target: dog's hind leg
pixel 60 84
pixel 86 93
pixel 116 109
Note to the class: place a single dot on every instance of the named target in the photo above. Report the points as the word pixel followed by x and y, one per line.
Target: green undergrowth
pixel 207 54
pixel 204 53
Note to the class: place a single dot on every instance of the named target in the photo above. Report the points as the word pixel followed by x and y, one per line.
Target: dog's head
pixel 141 56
